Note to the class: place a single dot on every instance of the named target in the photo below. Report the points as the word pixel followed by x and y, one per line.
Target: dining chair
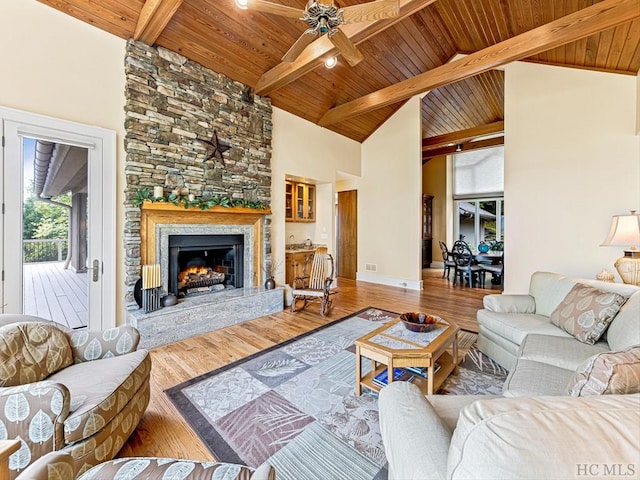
pixel 447 259
pixel 465 264
pixel 495 269
pixel 497 246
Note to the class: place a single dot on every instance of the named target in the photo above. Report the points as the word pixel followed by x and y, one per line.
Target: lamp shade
pixel 624 232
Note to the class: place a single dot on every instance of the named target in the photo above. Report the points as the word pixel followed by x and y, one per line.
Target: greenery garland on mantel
pixel 146 195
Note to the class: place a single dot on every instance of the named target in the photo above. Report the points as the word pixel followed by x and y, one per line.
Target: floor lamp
pixel 625 232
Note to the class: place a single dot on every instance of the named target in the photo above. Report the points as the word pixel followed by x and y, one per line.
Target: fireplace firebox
pixel 205 263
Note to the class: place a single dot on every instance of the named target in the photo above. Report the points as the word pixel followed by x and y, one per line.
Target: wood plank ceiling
pixel 245 44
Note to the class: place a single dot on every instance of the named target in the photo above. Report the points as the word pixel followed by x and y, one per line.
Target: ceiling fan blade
pixel 366 12
pixel 296 49
pixel 348 50
pixel 275 8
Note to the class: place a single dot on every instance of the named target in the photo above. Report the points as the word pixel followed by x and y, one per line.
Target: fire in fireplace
pixel 205 263
pixel 200 278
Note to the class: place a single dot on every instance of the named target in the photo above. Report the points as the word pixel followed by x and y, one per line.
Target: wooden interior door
pixel 347 234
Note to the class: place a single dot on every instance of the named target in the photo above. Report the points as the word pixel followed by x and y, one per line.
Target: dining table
pixel 491 256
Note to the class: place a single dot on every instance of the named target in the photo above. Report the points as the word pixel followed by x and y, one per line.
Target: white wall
pixel 572 160
pixel 55 65
pixel 390 200
pixel 307 151
pixel 346 185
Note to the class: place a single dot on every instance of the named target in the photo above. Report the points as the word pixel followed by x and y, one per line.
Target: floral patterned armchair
pixel 78 391
pixel 59 465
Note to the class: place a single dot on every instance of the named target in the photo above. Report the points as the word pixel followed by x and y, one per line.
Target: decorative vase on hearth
pixel 270 284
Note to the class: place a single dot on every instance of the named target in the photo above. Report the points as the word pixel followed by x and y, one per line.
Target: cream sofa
pixel 542 433
pixel 525 438
pixel 78 391
pixel 507 320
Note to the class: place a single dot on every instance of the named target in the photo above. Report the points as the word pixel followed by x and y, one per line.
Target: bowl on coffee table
pixel 419 322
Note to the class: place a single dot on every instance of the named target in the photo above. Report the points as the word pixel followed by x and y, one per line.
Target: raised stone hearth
pixel 202 314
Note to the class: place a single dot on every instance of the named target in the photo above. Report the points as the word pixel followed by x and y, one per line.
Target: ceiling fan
pixel 325 18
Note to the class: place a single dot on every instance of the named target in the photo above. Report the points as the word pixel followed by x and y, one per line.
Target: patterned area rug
pixel 294 405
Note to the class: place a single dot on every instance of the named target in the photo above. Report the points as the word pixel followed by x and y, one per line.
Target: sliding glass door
pixel 479 220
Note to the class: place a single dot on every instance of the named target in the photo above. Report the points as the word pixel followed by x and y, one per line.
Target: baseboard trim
pixel 389 281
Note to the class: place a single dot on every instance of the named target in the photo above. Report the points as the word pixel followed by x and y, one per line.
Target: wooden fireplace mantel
pixel 154 213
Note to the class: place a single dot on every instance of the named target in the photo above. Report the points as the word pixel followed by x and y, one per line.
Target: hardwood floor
pixel 163 432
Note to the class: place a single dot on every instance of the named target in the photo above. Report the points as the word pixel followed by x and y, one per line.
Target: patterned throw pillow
pixel 31 351
pixel 586 312
pixel 607 373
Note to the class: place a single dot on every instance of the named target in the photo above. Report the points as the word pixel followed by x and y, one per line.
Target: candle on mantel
pixel 158 192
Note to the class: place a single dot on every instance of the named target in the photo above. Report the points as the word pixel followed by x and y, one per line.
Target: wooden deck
pixel 51 292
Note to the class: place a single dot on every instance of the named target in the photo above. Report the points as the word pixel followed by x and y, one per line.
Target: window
pixel 479 196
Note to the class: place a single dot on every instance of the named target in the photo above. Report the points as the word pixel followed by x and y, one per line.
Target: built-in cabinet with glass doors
pixel 300 202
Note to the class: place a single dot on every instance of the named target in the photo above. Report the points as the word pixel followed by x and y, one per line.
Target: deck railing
pixel 44 250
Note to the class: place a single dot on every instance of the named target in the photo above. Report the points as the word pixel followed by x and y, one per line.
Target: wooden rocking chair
pixel 315 282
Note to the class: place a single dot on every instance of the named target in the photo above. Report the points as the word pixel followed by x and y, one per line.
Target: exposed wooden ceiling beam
pixel 588 21
pixel 466 147
pixel 321 49
pixel 154 16
pixel 460 136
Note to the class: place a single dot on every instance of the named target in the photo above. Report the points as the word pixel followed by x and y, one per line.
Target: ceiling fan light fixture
pixel 243 4
pixel 323 25
pixel 331 62
pixel 321 17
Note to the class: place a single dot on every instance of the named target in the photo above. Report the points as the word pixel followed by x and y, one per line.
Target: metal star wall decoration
pixel 215 147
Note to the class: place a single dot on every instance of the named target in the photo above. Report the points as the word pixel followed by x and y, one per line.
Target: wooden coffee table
pixel 394 346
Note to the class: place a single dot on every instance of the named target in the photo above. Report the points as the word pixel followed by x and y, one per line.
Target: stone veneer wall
pixel 172 105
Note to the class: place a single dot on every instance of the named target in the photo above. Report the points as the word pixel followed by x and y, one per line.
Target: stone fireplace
pixel 201 264
pixel 174 108
pixel 165 227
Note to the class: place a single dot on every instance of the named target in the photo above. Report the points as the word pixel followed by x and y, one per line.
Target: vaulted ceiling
pixel 414 53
